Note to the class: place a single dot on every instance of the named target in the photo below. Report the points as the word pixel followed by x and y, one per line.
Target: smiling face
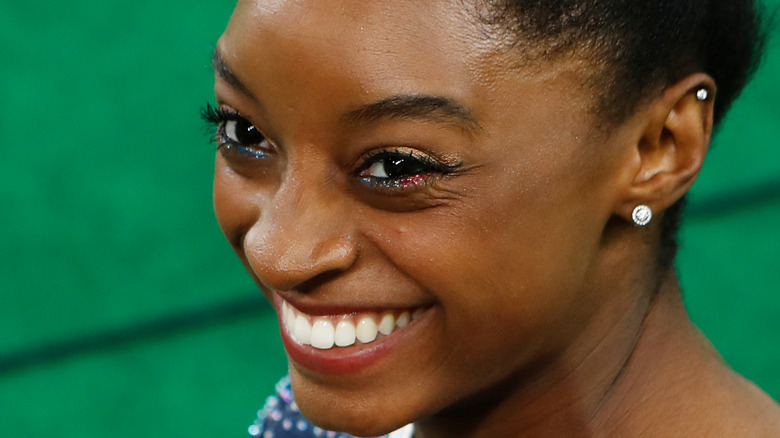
pixel 381 165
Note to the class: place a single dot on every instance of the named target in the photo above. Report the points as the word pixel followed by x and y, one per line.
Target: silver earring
pixel 642 215
pixel 702 94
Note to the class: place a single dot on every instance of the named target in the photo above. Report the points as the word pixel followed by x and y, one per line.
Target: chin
pixel 344 419
pixel 352 413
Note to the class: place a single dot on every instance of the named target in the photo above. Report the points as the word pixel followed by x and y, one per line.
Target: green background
pixel 122 311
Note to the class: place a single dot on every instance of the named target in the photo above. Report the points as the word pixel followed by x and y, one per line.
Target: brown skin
pixel 531 237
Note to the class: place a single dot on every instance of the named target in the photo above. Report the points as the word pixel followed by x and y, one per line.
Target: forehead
pixel 406 19
pixel 388 42
pixel 312 57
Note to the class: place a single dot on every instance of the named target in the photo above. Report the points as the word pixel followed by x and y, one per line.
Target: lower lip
pixel 339 361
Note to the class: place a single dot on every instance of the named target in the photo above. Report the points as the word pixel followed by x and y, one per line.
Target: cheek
pixel 512 241
pixel 511 263
pixel 522 258
pixel 236 204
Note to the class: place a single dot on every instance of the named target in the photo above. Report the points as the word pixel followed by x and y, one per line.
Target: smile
pixel 328 331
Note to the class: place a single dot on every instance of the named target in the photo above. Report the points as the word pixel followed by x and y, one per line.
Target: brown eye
pixel 401 169
pixel 239 131
pixel 238 138
pixel 397 167
pixel 233 130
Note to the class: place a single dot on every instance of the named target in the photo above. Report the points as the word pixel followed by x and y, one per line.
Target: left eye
pixel 395 167
pixel 401 169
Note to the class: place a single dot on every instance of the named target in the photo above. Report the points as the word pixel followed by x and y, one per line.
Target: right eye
pixel 235 134
pixel 240 131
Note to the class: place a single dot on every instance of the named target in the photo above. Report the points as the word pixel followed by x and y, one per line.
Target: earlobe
pixel 673 145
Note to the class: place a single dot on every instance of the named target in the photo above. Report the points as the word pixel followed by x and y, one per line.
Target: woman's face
pixel 394 160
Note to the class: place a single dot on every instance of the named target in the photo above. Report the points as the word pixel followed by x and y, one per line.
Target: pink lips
pixel 343 360
pixel 336 362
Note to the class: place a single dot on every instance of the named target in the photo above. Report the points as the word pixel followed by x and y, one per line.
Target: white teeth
pixel 345 334
pixel 402 320
pixel 288 316
pixel 366 330
pixel 387 325
pixel 302 330
pixel 322 334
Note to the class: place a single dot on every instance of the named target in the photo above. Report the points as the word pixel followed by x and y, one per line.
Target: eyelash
pixel 423 169
pixel 219 117
pixel 420 167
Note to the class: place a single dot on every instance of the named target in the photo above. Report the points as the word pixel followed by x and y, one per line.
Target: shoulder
pixel 280 418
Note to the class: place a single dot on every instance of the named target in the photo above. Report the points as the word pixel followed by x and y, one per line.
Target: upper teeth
pixel 324 332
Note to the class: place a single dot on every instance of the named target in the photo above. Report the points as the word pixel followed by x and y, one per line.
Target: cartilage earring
pixel 702 94
pixel 642 215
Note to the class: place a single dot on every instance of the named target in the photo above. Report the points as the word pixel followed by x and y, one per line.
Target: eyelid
pixel 433 168
pixel 220 117
pixel 438 164
pixel 215 115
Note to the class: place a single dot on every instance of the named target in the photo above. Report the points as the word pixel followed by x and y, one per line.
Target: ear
pixel 676 133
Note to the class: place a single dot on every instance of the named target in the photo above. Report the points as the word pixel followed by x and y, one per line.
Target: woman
pixel 464 212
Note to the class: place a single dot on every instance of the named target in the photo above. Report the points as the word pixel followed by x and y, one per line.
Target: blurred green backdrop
pixel 123 312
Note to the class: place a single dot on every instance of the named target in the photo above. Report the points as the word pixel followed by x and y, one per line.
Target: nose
pixel 300 235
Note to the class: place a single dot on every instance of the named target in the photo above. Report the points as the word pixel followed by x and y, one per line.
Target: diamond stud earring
pixel 702 94
pixel 642 215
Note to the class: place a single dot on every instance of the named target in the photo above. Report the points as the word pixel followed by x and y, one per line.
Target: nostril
pixel 302 263
pixel 237 239
pixel 329 258
pixel 311 284
pixel 336 253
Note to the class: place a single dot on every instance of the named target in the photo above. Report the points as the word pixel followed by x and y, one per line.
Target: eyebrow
pixel 437 109
pixel 222 70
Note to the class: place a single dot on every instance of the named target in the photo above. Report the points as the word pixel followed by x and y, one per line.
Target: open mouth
pixel 332 331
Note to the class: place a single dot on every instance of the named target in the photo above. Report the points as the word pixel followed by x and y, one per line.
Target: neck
pixel 627 374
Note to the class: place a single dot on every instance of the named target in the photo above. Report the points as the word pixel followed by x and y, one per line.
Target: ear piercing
pixel 702 94
pixel 642 215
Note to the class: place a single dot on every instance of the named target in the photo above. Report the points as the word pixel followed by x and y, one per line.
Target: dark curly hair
pixel 643 46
